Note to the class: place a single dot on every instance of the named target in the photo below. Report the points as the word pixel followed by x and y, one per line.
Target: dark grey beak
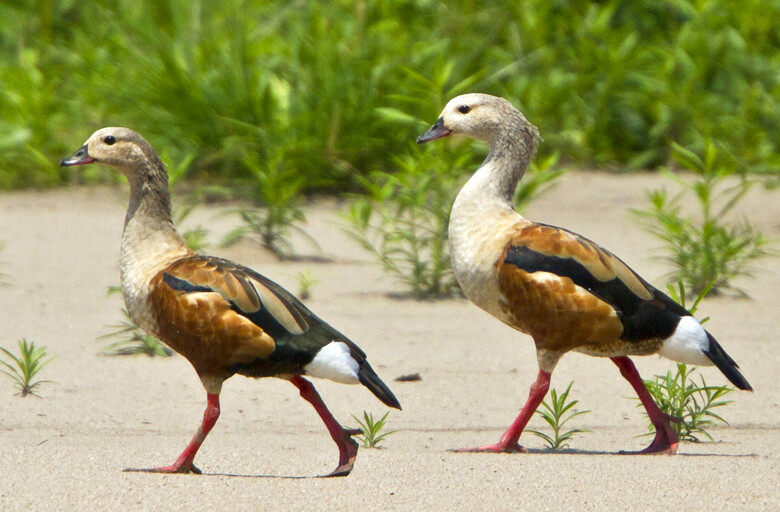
pixel 80 157
pixel 437 131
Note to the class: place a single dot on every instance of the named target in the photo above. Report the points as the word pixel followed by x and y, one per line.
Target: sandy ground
pixel 66 450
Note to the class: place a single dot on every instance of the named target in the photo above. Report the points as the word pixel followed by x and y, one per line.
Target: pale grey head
pixel 483 117
pixel 129 153
pixel 121 148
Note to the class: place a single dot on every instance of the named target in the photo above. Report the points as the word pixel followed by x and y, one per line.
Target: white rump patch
pixel 687 343
pixel 334 362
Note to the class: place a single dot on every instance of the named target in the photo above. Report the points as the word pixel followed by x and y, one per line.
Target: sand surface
pixel 66 450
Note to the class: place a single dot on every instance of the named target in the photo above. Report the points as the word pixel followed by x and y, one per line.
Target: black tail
pixel 726 364
pixel 371 380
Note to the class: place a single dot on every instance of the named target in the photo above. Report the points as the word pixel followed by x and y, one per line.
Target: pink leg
pixel 348 448
pixel 184 463
pixel 508 441
pixel 665 441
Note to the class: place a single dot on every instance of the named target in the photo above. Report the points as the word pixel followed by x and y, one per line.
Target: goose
pixel 565 291
pixel 225 318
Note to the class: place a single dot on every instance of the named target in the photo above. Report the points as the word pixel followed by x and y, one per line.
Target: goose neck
pixel 150 198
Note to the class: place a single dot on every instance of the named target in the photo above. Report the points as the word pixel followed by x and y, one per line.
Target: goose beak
pixel 80 157
pixel 437 131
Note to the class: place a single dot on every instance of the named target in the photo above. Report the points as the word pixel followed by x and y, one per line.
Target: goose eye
pixel 109 139
pixel 464 109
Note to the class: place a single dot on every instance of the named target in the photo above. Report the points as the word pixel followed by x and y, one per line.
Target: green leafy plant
pixel 306 281
pixel 557 414
pixel 404 221
pixel 371 430
pixel 711 251
pixel 628 78
pixel 692 403
pixel 24 368
pixel 279 192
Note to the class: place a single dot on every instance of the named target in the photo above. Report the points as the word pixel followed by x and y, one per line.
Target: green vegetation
pixel 306 281
pixel 327 92
pixel 710 251
pixel 556 416
pixel 403 220
pixel 681 397
pixel 23 368
pixel 371 430
pixel 271 227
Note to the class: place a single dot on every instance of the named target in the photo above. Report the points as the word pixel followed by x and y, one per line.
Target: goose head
pixel 121 148
pixel 475 115
pixel 489 119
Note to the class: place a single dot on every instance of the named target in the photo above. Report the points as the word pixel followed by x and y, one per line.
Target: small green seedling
pixel 370 430
pixel 26 367
pixel 679 396
pixel 306 282
pixel 554 416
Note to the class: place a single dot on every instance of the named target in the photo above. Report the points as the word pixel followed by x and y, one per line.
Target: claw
pixel 191 468
pixel 348 450
pixel 493 448
pixel 665 441
pixel 342 470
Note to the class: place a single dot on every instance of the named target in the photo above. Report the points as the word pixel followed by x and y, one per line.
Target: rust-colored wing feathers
pixel 554 312
pixel 569 293
pixel 218 314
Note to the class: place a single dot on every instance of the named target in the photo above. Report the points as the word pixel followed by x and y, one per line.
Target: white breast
pixel 480 228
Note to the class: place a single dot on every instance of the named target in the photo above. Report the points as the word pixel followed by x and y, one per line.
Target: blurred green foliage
pixel 329 91
pixel 708 251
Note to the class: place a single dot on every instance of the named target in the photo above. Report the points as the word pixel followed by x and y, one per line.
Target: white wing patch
pixel 687 343
pixel 334 362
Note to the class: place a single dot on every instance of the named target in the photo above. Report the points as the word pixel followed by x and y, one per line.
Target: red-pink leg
pixel 508 441
pixel 348 448
pixel 184 463
pixel 665 441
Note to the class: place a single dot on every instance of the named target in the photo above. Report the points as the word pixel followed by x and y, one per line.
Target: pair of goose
pixel 563 290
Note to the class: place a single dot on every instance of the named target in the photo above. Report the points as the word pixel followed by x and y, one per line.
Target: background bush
pixel 329 91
